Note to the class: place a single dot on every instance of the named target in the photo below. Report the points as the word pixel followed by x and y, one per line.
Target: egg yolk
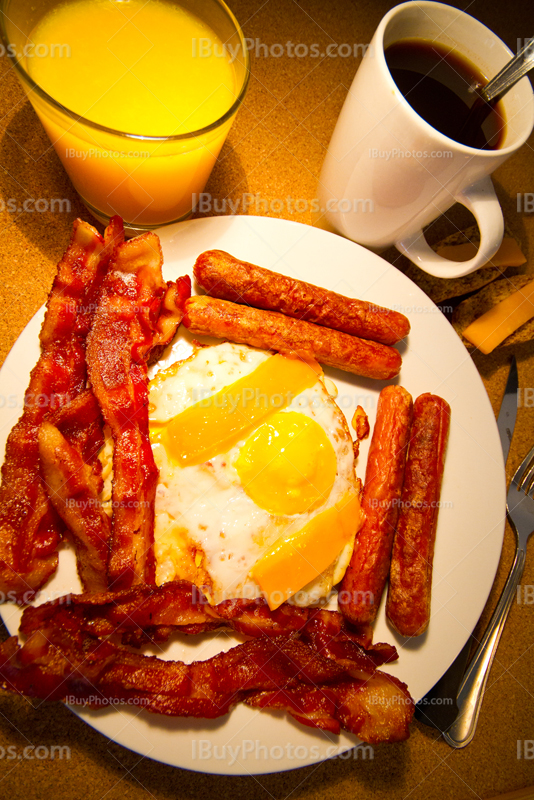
pixel 288 465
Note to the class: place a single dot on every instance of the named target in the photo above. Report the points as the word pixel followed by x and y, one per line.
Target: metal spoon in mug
pixel 520 64
pixel 490 94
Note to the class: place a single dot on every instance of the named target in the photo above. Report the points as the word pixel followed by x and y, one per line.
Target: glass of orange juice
pixel 136 96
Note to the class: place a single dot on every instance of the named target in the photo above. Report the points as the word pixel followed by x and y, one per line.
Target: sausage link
pixel 225 277
pixel 271 330
pixel 362 586
pixel 410 581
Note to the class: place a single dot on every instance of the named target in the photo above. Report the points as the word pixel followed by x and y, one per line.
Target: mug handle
pixel 481 200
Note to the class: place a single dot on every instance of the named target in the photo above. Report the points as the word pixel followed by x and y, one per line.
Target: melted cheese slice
pixel 300 557
pixel 508 255
pixel 215 424
pixel 495 325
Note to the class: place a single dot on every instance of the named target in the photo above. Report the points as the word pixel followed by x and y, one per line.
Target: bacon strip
pixel 30 529
pixel 69 663
pixel 255 618
pixel 70 464
pixel 410 580
pixel 124 331
pixel 81 423
pixel 377 710
pixel 225 277
pixel 170 316
pixel 59 661
pixel 69 443
pixel 328 634
pixel 141 609
pixel 363 583
pixel 313 707
pixel 149 613
pixel 73 492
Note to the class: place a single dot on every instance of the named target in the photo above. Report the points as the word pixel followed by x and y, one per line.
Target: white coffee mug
pixel 388 172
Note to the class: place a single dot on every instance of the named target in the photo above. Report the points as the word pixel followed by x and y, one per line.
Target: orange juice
pixel 141 70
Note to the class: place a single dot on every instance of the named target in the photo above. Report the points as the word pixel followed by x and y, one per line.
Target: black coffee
pixel 437 82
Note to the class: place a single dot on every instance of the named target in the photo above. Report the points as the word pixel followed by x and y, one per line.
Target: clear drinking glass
pixel 148 180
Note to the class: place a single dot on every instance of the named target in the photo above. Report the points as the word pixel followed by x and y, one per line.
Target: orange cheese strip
pixel 495 325
pixel 216 423
pixel 300 557
pixel 508 255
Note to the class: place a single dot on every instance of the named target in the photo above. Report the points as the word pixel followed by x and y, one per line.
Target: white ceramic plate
pixel 471 520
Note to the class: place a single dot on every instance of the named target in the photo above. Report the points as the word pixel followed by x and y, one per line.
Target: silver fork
pixel 520 510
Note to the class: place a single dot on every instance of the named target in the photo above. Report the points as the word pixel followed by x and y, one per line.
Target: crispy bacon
pixel 81 423
pixel 69 442
pixel 170 317
pixel 72 471
pixel 59 661
pixel 124 331
pixel 140 609
pixel 82 665
pixel 311 706
pixel 149 613
pixel 328 634
pixel 73 492
pixel 378 709
pixel 30 529
pixel 255 618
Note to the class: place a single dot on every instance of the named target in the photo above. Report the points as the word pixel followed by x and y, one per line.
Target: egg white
pixel 207 528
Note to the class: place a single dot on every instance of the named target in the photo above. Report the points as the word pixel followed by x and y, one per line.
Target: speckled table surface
pixel 273 155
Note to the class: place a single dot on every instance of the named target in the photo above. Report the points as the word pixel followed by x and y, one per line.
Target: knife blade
pixel 508 410
pixel 438 707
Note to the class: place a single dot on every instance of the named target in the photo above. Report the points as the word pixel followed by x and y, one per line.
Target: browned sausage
pixel 223 276
pixel 270 330
pixel 410 582
pixel 362 586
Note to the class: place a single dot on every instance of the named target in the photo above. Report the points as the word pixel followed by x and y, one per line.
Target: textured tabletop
pixel 270 165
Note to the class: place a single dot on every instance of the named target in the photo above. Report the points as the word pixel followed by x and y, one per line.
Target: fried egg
pixel 257 493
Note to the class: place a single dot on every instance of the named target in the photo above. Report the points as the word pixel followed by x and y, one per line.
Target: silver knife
pixel 508 411
pixel 438 708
